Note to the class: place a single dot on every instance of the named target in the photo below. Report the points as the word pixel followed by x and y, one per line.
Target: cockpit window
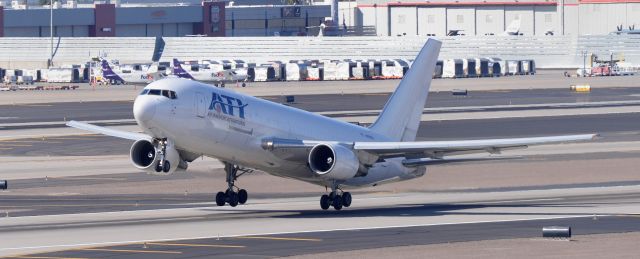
pixel 166 93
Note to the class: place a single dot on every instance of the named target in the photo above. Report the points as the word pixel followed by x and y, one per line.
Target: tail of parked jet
pixel 401 115
pixel 179 71
pixel 108 73
pixel 513 28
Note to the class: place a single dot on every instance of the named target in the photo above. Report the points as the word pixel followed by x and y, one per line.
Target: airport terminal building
pixel 168 19
pixel 147 18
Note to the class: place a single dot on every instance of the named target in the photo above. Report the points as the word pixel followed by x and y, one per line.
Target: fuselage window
pixel 173 95
pixel 165 93
pixel 154 92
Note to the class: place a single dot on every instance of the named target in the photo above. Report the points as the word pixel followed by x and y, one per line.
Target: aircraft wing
pixel 438 149
pixel 107 131
pixel 420 152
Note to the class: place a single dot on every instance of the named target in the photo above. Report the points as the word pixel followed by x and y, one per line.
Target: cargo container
pixel 452 68
pixel 482 67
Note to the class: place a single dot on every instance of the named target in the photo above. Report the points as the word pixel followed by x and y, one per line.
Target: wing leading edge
pixel 425 152
pixel 107 131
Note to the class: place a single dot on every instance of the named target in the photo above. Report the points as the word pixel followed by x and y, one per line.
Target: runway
pixel 611 127
pixel 15 115
pixel 281 227
pixel 76 195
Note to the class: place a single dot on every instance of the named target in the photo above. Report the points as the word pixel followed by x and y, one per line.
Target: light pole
pixel 584 63
pixel 51 32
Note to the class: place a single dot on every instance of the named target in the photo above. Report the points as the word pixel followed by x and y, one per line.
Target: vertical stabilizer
pixel 401 115
pixel 179 71
pixel 108 73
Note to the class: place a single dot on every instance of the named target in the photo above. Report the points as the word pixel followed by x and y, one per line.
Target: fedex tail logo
pixel 179 71
pixel 227 105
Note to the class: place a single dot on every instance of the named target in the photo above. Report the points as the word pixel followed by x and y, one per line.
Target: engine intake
pixel 333 161
pixel 144 155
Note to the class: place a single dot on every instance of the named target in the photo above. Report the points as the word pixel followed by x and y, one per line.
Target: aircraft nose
pixel 144 109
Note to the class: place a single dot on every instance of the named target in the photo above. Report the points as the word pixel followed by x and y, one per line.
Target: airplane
pixel 184 119
pixel 208 75
pixel 128 75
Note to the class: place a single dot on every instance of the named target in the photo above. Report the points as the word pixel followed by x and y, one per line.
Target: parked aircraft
pixel 221 77
pixel 183 119
pixel 128 75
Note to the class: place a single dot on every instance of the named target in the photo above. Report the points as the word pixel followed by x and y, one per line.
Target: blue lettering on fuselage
pixel 227 105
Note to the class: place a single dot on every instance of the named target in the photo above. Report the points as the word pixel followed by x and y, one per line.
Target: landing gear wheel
pixel 233 199
pixel 166 166
pixel 158 167
pixel 324 202
pixel 221 199
pixel 346 199
pixel 337 202
pixel 242 196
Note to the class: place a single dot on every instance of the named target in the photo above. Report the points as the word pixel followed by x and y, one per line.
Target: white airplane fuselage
pixel 231 127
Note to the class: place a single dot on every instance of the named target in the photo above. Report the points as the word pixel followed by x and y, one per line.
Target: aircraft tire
pixel 324 202
pixel 220 199
pixel 233 199
pixel 166 166
pixel 346 199
pixel 337 202
pixel 242 196
pixel 158 168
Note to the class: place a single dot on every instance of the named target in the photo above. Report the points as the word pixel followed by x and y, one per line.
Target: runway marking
pixel 65 138
pixel 195 245
pixel 91 178
pixel 6 148
pixel 36 105
pixel 514 201
pixel 46 257
pixel 15 145
pixel 281 238
pixel 20 141
pixel 129 251
pixel 124 242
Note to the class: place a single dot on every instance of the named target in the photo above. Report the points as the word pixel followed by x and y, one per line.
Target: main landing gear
pixel 230 196
pixel 162 165
pixel 337 198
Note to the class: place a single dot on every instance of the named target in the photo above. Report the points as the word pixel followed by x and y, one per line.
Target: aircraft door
pixel 201 105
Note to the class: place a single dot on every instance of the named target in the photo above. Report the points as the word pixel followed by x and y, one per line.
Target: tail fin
pixel 401 115
pixel 179 71
pixel 108 73
pixel 513 28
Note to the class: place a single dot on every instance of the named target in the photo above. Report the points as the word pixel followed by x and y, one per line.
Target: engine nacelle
pixel 333 161
pixel 145 155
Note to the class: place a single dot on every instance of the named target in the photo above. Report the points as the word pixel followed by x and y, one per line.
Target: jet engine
pixel 145 155
pixel 333 161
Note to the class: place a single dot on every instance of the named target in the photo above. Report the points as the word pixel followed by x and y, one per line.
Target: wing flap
pixel 107 131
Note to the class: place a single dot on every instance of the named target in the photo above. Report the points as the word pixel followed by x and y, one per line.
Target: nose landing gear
pixel 162 165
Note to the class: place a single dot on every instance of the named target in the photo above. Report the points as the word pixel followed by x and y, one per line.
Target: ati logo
pixel 226 104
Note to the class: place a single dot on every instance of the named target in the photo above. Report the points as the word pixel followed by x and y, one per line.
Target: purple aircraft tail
pixel 179 71
pixel 108 73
